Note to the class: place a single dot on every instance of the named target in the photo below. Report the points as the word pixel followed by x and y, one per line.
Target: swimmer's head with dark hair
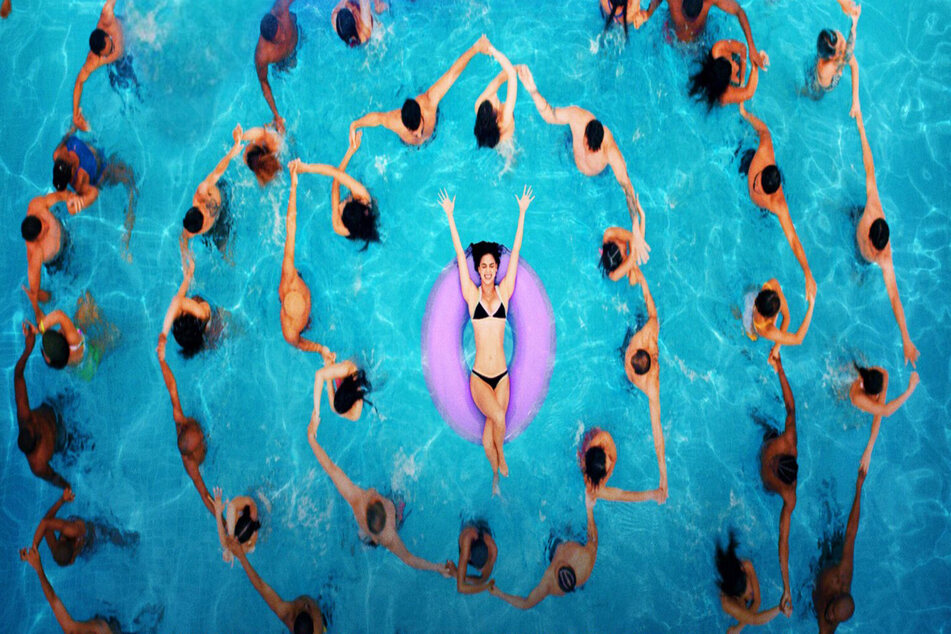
pixel 189 332
pixel 595 465
pixel 361 221
pixel 263 163
pixel 692 8
pixel 770 179
pixel 712 79
pixel 303 623
pixel 611 257
pixel 878 233
pixel 840 608
pixel 269 27
pixel 55 349
pixel 872 380
pixel 376 517
pixel 732 577
pixel 826 43
pixel 346 27
pixel 615 5
pixel 30 228
pixel 767 303
pixel 245 527
pixel 351 390
pixel 593 135
pixel 193 220
pixel 411 115
pixel 481 249
pixel 787 468
pixel 97 42
pixel 478 552
pixel 62 174
pixel 486 125
pixel 567 579
pixel 641 362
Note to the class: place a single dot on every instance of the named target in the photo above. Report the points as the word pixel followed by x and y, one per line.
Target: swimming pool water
pixel 654 571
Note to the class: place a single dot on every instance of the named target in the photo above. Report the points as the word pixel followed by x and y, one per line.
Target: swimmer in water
pixel 689 18
pixel 105 47
pixel 207 201
pixel 80 342
pixel 868 395
pixel 642 369
pixel 832 596
pixel 779 471
pixel 570 568
pixel 353 22
pixel 261 153
pixel 476 549
pixel 415 122
pixel 39 428
pixel 597 458
pixel 489 381
pixel 375 515
pixel 739 589
pixel 188 318
pixel 617 254
pixel 355 217
pixel 766 191
pixel 618 12
pixel 237 518
pixel 278 42
pixel 833 54
pixel 191 438
pixel 719 81
pixel 43 234
pixel 300 616
pixel 346 386
pixel 594 149
pixel 293 292
pixel 770 303
pixel 96 625
pixel 495 122
pixel 71 540
pixel 872 235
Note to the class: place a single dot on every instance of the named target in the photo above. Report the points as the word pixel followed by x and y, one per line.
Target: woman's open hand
pixel 448 204
pixel 526 199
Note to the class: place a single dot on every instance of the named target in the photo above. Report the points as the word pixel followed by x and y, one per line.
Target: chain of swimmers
pixel 194 324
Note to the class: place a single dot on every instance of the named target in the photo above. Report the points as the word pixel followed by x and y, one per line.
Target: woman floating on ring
pixel 489 381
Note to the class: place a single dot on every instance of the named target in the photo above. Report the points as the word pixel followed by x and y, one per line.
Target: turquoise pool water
pixel 654 571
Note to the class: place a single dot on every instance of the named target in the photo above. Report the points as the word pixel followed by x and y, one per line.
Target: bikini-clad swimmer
pixel 594 149
pixel 489 382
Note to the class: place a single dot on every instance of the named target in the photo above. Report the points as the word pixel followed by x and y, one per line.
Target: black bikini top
pixel 481 313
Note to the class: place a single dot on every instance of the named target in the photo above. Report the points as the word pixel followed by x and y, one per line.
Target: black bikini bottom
pixel 491 381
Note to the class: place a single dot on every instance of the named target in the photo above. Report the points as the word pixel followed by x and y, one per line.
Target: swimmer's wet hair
pixel 767 303
pixel 62 553
pixel 376 517
pixel 770 179
pixel 478 552
pixel 732 577
pixel 825 44
pixel 62 174
pixel 615 5
pixel 263 163
pixel 878 233
pixel 411 115
pixel 872 380
pixel 26 440
pixel 245 527
pixel 361 221
pixel 303 623
pixel 712 79
pixel 193 220
pixel 351 390
pixel 595 465
pixel 611 257
pixel 346 27
pixel 481 249
pixel 55 349
pixel 189 332
pixel 486 125
pixel 594 134
pixel 641 362
pixel 97 41
pixel 269 27
pixel 566 579
pixel 842 606
pixel 30 228
pixel 692 8
pixel 787 470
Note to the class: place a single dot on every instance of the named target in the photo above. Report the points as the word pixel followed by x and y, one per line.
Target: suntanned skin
pixel 781 336
pixel 877 407
pixel 836 581
pixel 504 112
pixel 66 327
pixel 592 162
pixel 72 532
pixel 828 70
pixel 737 92
pixel 70 626
pixel 340 177
pixel 466 583
pixel 221 510
pixel 361 499
pixel 428 103
pixel 775 202
pixel 333 371
pixel 745 609
pixel 182 305
pixel 267 53
pixel 114 50
pixel 86 193
pixel 873 211
pixel 687 30
pixel 602 439
pixel 40 421
pixel 292 291
pixel 579 558
pixel 784 444
pixel 191 438
pixel 46 246
pixel 286 611
pixel 649 382
pixel 361 15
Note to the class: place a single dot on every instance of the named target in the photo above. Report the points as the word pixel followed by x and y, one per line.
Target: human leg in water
pixel 117 172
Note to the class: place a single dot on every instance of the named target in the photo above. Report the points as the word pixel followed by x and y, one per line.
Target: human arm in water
pixel 70 626
pixel 554 116
pixel 733 8
pixel 469 290
pixel 638 219
pixel 851 531
pixel 347 489
pixel 279 606
pixel 507 286
pixel 868 404
pixel 438 90
pixel 51 523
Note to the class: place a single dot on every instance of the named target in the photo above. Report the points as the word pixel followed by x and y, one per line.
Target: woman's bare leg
pixel 485 400
pixel 502 398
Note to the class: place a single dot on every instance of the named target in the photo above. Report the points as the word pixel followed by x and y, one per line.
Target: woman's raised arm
pixel 507 287
pixel 448 205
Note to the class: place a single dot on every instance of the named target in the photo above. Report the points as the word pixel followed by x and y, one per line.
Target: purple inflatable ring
pixel 447 377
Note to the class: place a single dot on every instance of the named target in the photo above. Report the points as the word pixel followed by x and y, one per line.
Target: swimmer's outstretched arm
pixel 871 186
pixel 789 230
pixel 350 492
pixel 279 606
pixel 542 590
pixel 177 414
pixel 24 413
pixel 92 63
pixel 467 584
pixel 59 318
pixel 51 523
pixel 554 116
pixel 629 264
pixel 638 219
pixel 851 531
pixel 398 548
pixel 32 556
pixel 469 290
pixel 869 405
pixel 614 494
pixel 508 282
pixel 640 16
pixel 438 90
pixel 511 90
pixel 734 9
pixel 758 125
pixel 222 165
pixel 174 307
